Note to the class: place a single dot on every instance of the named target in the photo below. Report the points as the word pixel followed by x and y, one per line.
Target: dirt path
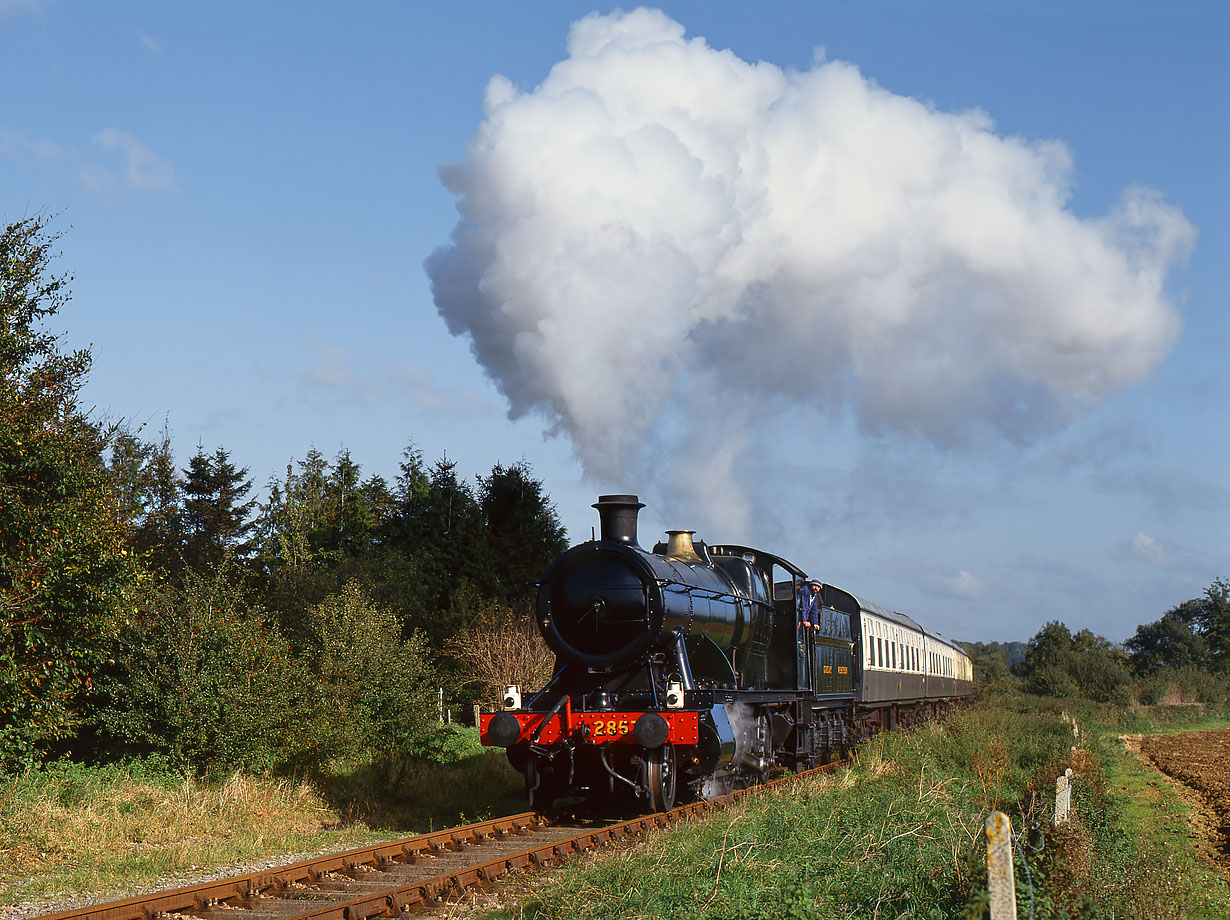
pixel 1199 764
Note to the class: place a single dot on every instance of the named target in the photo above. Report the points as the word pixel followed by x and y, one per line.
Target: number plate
pixel 604 727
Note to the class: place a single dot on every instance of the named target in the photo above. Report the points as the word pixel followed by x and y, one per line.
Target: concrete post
pixel 1000 880
pixel 1063 796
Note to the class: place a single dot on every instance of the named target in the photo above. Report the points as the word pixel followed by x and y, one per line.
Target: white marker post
pixel 1063 797
pixel 1000 880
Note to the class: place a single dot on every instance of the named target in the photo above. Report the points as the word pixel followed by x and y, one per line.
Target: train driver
pixel 809 605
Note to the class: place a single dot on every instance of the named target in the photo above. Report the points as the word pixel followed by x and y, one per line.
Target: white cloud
pixel 330 368
pixel 334 370
pixel 964 584
pixel 1150 550
pixel 663 245
pixel 144 170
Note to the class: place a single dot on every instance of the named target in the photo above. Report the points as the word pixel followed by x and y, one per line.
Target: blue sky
pixel 248 194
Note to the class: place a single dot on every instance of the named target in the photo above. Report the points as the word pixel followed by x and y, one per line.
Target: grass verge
pixel 1144 858
pixel 69 831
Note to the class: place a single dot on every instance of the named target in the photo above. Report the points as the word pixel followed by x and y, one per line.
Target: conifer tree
pixel 217 518
pixel 524 532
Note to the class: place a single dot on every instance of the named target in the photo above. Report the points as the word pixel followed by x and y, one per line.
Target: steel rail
pixel 387 879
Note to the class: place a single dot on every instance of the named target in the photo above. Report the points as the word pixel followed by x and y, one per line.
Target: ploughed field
pixel 1201 762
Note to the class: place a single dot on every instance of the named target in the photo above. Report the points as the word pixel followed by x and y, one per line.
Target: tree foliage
pixel 150 609
pixel 208 680
pixel 1060 663
pixel 524 532
pixel 65 568
pixel 994 662
pixel 216 509
pixel 149 495
pixel 1195 634
pixel 376 687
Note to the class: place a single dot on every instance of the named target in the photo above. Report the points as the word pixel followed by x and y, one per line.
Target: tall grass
pixel 897 834
pixel 68 830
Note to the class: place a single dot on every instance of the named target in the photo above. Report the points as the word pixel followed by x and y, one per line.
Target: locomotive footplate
pixel 593 727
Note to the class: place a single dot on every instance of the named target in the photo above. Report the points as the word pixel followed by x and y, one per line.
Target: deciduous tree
pixel 65 568
pixel 1058 663
pixel 502 646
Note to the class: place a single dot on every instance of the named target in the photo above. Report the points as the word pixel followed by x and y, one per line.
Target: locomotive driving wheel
pixel 661 777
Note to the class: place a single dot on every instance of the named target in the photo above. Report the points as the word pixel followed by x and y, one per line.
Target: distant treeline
pixel 1184 657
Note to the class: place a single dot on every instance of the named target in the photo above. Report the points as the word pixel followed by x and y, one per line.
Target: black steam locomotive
pixel 692 670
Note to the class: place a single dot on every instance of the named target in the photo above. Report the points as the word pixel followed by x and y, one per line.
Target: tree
pixel 376 686
pixel 1172 642
pixel 524 533
pixel 502 646
pixel 321 529
pixel 1058 663
pixel 1212 619
pixel 147 487
pixel 216 517
pixel 994 661
pixel 434 543
pixel 206 678
pixel 65 568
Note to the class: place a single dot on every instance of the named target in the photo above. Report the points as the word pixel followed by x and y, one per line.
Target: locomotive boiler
pixel 691 670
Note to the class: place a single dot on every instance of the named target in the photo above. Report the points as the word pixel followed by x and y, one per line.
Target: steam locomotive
pixel 692 670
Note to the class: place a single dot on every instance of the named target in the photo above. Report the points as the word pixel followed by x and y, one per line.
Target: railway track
pixel 404 876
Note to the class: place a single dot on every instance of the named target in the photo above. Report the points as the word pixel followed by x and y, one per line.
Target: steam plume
pixel 662 242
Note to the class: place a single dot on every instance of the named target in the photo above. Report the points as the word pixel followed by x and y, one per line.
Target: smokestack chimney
pixel 618 516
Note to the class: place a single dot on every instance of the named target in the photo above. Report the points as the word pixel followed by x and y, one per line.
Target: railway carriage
pixel 686 671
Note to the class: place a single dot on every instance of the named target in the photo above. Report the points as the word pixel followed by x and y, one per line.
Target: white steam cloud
pixel 662 242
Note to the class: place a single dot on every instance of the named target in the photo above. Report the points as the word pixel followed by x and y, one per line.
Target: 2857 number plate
pixel 606 728
pixel 619 726
pixel 603 727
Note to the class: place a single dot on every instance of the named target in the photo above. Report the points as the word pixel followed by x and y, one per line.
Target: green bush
pixel 375 688
pixel 449 744
pixel 1183 685
pixel 208 681
pixel 1061 664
